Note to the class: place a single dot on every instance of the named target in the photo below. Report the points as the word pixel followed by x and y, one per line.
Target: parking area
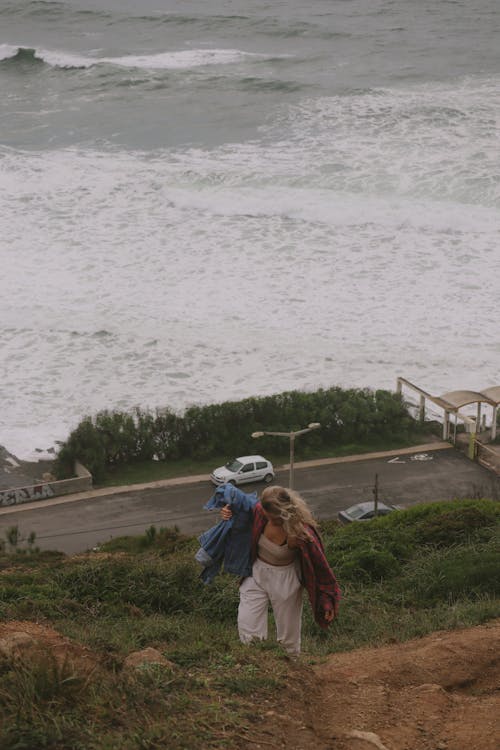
pixel 404 479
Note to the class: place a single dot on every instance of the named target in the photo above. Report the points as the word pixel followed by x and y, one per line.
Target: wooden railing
pixel 487 457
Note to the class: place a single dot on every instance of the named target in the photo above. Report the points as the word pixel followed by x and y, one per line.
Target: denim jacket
pixel 228 542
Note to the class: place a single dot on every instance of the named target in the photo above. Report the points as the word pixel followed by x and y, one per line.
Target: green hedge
pixel 113 438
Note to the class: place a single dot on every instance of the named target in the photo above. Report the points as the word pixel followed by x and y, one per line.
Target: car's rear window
pixel 355 512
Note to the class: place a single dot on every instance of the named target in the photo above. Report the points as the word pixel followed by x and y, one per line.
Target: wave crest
pixel 11 53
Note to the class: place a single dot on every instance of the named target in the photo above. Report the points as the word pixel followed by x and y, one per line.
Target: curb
pixel 176 481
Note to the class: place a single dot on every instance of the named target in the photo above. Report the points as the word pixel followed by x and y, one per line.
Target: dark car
pixel 365 511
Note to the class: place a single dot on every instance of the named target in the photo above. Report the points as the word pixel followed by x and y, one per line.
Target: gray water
pixel 208 200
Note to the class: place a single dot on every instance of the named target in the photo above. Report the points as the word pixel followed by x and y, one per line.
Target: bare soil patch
pixel 440 692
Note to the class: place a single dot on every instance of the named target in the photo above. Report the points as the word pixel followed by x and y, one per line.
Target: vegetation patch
pixel 349 419
pixel 431 567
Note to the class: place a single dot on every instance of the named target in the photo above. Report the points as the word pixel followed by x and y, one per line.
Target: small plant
pixel 151 534
pixel 13 536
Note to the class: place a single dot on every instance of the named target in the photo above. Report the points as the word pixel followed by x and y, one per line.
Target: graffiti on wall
pixel 25 494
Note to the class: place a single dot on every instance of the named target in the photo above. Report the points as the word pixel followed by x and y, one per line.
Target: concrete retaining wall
pixel 43 490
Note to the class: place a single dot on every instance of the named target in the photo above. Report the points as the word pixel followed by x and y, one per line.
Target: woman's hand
pixel 226 513
pixel 330 614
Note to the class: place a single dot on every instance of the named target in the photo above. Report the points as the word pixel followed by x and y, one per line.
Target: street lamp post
pixel 291 436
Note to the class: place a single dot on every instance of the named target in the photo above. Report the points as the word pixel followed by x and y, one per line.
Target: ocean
pixel 202 201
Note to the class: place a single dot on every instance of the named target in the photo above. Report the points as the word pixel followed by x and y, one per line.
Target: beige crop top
pixel 275 554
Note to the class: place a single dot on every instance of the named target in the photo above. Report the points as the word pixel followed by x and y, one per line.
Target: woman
pixel 287 555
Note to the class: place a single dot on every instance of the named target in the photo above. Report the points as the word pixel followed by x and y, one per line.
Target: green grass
pixel 152 471
pixel 434 566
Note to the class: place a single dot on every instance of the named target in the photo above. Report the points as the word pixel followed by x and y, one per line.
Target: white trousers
pixel 279 585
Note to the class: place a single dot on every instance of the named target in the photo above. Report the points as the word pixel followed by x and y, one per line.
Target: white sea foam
pixel 175 59
pixel 7 51
pixel 183 59
pixel 312 257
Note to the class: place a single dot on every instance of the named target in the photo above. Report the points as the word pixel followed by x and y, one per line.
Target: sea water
pixel 206 200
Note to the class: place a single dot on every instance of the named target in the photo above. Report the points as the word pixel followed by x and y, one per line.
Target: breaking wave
pixel 180 59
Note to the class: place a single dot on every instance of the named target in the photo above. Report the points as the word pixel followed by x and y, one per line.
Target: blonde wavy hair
pixel 291 508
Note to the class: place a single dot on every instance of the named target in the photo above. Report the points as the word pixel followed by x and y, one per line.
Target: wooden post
pixel 422 408
pixel 375 497
pixel 446 424
pixel 494 423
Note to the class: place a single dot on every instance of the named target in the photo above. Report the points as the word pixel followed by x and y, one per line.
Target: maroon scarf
pixel 317 576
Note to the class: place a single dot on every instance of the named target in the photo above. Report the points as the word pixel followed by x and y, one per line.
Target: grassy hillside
pixel 431 567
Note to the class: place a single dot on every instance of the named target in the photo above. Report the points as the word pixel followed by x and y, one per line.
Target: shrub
pixel 415 516
pixel 85 444
pixel 368 564
pixel 456 526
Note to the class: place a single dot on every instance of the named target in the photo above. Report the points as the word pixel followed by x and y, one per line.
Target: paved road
pixel 406 480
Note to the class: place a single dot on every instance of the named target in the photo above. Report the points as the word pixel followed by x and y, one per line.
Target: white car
pixel 244 469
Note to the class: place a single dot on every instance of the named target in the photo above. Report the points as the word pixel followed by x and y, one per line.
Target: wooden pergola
pixel 455 400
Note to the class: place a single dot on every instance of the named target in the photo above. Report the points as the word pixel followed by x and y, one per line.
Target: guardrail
pixel 44 490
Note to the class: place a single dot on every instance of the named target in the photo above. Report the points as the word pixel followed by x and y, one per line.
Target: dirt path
pixel 440 692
